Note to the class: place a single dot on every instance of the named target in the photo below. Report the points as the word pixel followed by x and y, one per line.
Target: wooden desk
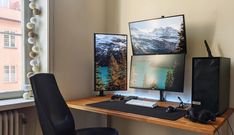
pixel 182 123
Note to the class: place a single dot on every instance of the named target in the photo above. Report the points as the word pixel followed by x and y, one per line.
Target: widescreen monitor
pixel 164 35
pixel 110 58
pixel 158 72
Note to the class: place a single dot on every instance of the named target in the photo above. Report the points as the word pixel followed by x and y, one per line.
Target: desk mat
pixel 157 112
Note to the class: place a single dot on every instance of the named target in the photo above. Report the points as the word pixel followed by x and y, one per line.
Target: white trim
pixel 18 103
pixel 9 74
pixel 2 4
pixel 50 24
pixel 9 39
pixel 43 34
pixel 23 46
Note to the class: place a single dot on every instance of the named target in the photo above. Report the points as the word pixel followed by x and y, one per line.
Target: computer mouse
pixel 170 109
pixel 117 97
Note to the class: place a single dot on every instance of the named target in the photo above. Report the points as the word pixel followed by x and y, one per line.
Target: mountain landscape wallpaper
pixel 158 72
pixel 110 62
pixel 158 36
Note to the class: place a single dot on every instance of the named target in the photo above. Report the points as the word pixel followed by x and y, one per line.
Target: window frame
pixel 10 41
pixel 2 4
pixel 8 75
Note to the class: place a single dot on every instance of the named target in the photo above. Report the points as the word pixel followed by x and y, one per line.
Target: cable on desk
pixel 230 126
pixel 215 128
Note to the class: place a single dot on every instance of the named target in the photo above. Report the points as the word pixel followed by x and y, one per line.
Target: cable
pixel 230 126
pixel 215 128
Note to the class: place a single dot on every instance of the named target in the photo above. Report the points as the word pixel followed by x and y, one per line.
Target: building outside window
pixel 11 36
pixel 10 4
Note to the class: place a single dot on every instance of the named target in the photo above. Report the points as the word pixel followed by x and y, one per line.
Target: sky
pixel 150 25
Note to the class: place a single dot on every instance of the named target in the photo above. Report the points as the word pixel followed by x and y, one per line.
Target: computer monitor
pixel 165 35
pixel 158 72
pixel 110 58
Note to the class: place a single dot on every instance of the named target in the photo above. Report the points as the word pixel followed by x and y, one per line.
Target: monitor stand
pixel 161 96
pixel 101 93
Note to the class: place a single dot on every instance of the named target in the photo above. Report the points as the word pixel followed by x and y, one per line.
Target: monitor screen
pixel 158 72
pixel 158 36
pixel 110 62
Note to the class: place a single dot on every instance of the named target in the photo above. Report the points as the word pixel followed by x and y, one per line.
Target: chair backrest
pixel 54 115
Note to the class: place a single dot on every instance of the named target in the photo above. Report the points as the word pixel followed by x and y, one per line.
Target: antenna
pixel 208 49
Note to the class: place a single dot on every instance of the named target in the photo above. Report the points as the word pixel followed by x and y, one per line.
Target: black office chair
pixel 54 115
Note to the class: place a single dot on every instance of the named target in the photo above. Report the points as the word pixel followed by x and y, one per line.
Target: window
pixel 12 61
pixel 4 3
pixel 9 40
pixel 9 74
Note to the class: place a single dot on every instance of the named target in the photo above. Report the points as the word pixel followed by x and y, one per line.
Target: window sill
pixel 6 47
pixel 9 104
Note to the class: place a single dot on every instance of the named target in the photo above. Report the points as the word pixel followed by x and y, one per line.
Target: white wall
pixel 74 23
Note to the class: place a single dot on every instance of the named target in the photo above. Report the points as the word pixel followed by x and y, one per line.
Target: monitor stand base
pixel 101 93
pixel 161 96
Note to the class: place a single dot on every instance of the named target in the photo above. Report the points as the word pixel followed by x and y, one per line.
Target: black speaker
pixel 211 84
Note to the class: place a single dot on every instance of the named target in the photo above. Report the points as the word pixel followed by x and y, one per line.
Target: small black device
pixel 117 97
pixel 203 116
pixel 130 97
pixel 210 84
pixel 170 109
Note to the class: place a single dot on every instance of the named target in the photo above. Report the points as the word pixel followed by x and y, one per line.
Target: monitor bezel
pixel 184 55
pixel 95 59
pixel 162 17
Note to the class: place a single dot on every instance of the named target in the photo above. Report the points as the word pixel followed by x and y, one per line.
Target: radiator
pixel 12 123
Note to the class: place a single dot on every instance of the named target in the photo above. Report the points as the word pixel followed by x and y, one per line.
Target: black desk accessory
pixel 101 93
pixel 117 97
pixel 127 98
pixel 158 112
pixel 170 109
pixel 204 116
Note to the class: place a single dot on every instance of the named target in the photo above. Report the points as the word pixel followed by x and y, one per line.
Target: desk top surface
pixel 182 123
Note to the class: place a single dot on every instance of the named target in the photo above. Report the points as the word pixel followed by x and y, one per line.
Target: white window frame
pixel 10 78
pixel 3 3
pixel 10 41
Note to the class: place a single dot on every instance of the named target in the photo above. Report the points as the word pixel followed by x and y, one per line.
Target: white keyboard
pixel 150 104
